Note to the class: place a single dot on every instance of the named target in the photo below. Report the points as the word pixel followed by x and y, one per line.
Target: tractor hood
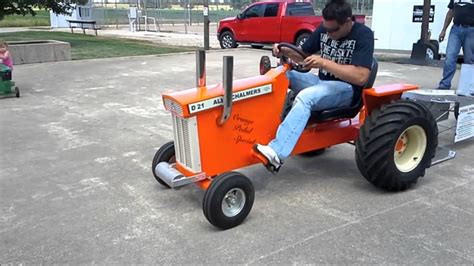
pixel 189 102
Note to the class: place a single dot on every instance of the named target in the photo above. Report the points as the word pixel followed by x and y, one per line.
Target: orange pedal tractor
pixel 216 126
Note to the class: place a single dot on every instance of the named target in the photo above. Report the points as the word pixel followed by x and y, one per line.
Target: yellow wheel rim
pixel 410 148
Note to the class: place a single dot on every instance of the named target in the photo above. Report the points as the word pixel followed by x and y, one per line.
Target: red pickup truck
pixel 271 21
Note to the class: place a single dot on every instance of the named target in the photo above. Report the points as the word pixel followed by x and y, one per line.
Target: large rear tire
pixel 396 145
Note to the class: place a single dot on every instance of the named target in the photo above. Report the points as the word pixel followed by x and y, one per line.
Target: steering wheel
pixel 293 56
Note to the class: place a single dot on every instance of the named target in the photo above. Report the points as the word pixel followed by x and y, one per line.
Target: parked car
pixel 271 21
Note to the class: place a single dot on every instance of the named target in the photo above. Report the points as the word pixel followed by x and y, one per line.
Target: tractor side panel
pixel 323 135
pixel 253 120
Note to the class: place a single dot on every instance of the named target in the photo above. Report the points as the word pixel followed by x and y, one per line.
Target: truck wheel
pixel 302 38
pixel 165 153
pixel 17 92
pixel 228 200
pixel 432 51
pixel 396 145
pixel 227 40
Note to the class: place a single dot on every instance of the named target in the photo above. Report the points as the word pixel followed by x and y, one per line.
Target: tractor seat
pixel 348 111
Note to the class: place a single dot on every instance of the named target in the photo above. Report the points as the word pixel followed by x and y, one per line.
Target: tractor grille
pixel 186 142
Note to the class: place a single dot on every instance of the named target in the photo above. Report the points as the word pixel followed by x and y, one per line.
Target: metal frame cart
pixel 441 103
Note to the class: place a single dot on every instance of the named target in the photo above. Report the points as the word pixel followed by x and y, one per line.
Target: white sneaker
pixel 274 162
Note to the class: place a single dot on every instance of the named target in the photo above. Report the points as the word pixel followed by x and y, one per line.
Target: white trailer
pixel 397 23
pixel 80 12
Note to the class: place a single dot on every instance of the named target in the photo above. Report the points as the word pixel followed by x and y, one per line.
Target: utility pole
pixel 205 12
pixel 425 21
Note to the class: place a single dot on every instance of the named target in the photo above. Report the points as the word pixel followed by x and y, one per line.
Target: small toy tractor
pixel 216 126
pixel 7 86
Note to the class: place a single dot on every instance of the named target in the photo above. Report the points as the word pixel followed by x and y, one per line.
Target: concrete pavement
pixel 76 185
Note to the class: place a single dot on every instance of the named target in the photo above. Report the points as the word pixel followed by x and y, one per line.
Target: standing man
pixel 347 50
pixel 461 35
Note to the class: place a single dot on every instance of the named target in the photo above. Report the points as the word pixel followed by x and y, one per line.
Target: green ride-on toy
pixel 7 86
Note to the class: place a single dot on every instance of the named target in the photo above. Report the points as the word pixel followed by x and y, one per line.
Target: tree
pixel 26 7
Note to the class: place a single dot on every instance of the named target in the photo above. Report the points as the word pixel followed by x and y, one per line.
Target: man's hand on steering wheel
pixel 291 55
pixel 314 61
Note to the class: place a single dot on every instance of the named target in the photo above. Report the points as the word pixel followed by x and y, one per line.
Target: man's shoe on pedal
pixel 274 162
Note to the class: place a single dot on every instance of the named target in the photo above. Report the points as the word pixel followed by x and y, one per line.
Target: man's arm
pixel 356 75
pixel 447 21
pixel 353 74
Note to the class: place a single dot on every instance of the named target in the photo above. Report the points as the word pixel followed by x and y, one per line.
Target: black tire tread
pixel 215 188
pixel 376 140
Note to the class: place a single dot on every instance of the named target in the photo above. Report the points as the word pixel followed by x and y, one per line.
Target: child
pixel 5 55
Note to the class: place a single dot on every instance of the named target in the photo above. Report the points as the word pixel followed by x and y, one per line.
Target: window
pixel 84 12
pixel 271 10
pixel 299 9
pixel 254 11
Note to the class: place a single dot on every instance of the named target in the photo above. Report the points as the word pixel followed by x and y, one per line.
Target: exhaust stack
pixel 227 80
pixel 200 68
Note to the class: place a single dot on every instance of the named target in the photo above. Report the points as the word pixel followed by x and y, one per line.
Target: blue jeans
pixel 458 37
pixel 313 95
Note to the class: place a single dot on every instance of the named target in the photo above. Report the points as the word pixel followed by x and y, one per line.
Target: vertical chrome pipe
pixel 200 68
pixel 227 80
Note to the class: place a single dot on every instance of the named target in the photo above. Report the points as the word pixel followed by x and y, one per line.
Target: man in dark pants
pixel 461 35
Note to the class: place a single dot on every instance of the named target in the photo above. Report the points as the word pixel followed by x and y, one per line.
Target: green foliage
pixel 40 19
pixel 28 7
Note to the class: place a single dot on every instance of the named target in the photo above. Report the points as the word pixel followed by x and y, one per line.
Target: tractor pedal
pixel 272 169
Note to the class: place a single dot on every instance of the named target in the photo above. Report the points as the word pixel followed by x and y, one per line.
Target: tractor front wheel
pixel 396 145
pixel 228 200
pixel 167 154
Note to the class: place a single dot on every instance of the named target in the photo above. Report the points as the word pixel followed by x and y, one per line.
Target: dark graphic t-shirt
pixel 357 48
pixel 463 11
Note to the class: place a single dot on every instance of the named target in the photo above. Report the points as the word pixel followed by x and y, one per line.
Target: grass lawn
pixel 41 19
pixel 88 46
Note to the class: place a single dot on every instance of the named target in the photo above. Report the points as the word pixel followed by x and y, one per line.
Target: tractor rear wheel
pixel 228 200
pixel 396 145
pixel 165 153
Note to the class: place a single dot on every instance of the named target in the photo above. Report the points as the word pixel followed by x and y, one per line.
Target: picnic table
pixel 80 24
